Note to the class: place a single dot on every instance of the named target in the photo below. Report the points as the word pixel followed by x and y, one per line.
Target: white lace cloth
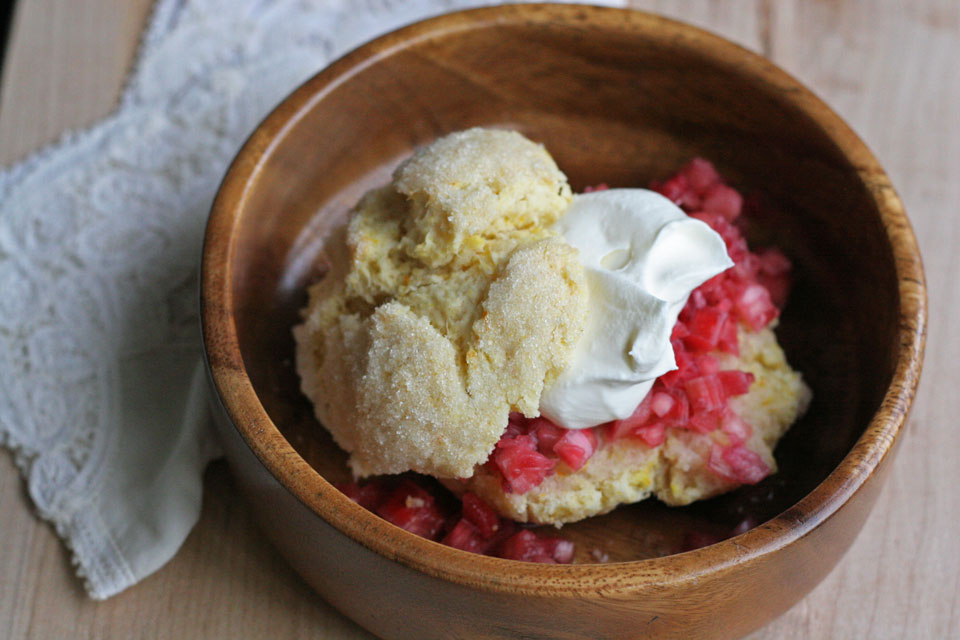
pixel 102 395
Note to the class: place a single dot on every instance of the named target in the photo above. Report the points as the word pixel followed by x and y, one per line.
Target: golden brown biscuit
pixel 448 304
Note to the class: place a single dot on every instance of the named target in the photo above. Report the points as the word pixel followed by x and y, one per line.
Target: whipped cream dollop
pixel 643 256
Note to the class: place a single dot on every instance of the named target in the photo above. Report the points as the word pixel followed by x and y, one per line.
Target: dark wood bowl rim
pixel 249 417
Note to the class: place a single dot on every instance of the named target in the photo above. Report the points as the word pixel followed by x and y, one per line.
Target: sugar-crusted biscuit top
pixel 448 304
pixel 474 185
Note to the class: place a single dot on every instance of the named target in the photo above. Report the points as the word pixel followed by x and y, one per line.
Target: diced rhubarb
pixel 745 270
pixel 713 291
pixel 477 529
pixel 546 433
pixel 707 364
pixel 481 515
pixel 729 340
pixel 719 198
pixel 559 549
pixel 466 537
pixel 640 415
pixel 679 331
pixel 680 411
pixel 686 366
pixel 652 434
pixel 644 424
pixel 777 286
pixel 369 495
pixel 507 529
pixel 661 403
pixel 671 378
pixel 576 447
pixel 704 422
pixel 524 545
pixel 700 174
pixel 719 465
pixel 735 427
pixel 705 393
pixel 522 441
pixel 716 222
pixel 753 305
pixel 516 425
pixel 738 464
pixel 736 244
pixel 616 429
pixel 678 190
pixel 411 507
pixel 735 383
pixel 521 465
pixel 705 328
pixel 748 466
pixel 696 301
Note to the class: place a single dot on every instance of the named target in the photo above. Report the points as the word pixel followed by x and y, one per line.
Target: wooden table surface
pixel 889 67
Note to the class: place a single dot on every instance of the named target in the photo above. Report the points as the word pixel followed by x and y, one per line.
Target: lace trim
pixel 100 235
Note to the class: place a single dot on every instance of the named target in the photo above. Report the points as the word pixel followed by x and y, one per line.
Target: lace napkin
pixel 103 393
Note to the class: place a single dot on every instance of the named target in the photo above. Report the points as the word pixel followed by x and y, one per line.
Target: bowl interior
pixel 614 107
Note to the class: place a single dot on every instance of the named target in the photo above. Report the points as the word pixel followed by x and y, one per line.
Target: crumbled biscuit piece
pixel 475 184
pixel 413 410
pixel 526 332
pixel 447 305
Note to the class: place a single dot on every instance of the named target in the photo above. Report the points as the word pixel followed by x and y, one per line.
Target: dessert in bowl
pixel 552 354
pixel 617 97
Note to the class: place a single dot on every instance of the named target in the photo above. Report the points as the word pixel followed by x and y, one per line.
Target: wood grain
pixel 884 66
pixel 569 77
pixel 64 68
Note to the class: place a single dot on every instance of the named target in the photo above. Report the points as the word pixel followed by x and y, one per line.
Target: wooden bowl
pixel 620 97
